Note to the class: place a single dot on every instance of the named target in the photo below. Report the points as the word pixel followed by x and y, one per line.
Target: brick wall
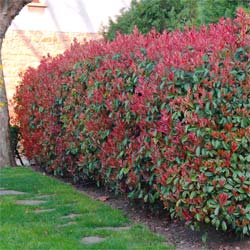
pixel 22 49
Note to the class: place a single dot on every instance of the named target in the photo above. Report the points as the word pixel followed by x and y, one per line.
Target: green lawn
pixel 25 229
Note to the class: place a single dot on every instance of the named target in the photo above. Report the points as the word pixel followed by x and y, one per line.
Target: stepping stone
pixel 70 204
pixel 40 211
pixel 45 196
pixel 30 202
pixel 92 240
pixel 67 204
pixel 117 229
pixel 10 192
pixel 71 216
pixel 68 224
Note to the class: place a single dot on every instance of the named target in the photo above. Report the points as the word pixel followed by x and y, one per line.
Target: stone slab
pixel 67 224
pixel 70 216
pixel 30 202
pixel 92 240
pixel 10 192
pixel 44 196
pixel 40 211
pixel 69 204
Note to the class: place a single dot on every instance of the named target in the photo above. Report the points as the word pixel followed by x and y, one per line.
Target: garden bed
pixel 174 231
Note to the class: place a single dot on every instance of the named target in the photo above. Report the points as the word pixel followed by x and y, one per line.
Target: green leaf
pixel 216 144
pixel 224 226
pixel 192 195
pixel 145 198
pixel 178 203
pixel 207 219
pixel 170 179
pixel 197 217
pixel 205 58
pixel 216 211
pixel 140 195
pixel 234 157
pixel 229 187
pixel 41 109
pixel 208 189
pixel 184 139
pixel 204 237
pixel 245 230
pixel 162 86
pixel 248 158
pixel 217 223
pixel 198 151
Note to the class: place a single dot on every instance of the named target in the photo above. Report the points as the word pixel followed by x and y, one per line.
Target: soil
pixel 175 231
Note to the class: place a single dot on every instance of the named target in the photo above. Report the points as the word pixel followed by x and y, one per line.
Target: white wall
pixel 70 15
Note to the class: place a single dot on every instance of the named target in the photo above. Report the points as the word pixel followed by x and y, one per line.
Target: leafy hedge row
pixel 160 117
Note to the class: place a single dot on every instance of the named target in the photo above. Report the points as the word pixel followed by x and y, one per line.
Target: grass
pixel 22 228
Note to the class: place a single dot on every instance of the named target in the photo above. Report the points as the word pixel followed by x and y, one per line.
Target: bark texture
pixel 8 10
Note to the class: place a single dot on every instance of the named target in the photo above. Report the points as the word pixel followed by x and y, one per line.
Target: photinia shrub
pixel 162 117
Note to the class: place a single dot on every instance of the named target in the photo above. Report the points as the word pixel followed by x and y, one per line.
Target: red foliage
pixel 158 116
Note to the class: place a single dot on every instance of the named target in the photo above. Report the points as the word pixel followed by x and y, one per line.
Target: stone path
pixel 86 240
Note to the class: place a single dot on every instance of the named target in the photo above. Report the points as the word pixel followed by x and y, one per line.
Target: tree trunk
pixel 6 155
pixel 8 10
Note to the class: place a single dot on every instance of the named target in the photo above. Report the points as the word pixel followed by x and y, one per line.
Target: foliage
pixel 161 116
pixel 170 14
pixel 212 10
pixel 145 14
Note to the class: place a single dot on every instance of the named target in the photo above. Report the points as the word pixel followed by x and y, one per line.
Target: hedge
pixel 162 117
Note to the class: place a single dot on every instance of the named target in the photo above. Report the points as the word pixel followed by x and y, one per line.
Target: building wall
pixel 38 31
pixel 22 49
pixel 69 15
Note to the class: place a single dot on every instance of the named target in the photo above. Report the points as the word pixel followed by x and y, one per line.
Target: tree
pixel 212 10
pixel 170 14
pixel 145 14
pixel 8 10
